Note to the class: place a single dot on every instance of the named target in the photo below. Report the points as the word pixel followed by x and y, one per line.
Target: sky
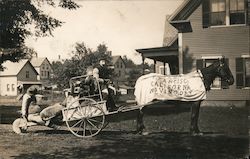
pixel 122 25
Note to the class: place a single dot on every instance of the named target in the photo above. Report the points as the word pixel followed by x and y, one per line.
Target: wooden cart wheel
pixel 85 120
pixel 105 125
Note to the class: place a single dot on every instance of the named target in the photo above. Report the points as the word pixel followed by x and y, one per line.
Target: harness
pixel 201 75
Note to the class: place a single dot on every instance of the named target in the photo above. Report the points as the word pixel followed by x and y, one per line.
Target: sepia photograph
pixel 124 79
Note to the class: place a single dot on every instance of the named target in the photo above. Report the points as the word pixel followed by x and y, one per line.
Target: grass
pixel 225 137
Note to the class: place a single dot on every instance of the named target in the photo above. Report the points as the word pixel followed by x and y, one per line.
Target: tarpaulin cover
pixel 183 87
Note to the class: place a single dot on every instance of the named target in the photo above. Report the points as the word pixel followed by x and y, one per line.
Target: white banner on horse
pixel 187 87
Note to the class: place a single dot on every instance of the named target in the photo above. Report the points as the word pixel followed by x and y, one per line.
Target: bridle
pixel 222 72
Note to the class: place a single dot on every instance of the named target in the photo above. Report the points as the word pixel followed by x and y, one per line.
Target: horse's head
pixel 224 72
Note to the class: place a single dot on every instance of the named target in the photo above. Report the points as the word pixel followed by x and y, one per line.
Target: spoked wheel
pixel 85 120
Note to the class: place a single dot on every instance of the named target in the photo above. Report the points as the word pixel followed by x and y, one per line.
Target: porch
pixel 162 56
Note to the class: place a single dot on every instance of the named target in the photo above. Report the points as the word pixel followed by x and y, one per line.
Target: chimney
pixel 34 55
pixel 110 53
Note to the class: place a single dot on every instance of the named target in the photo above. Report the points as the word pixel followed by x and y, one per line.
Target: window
pixel 237 12
pixel 218 12
pixel 27 75
pixel 205 62
pixel 13 87
pixel 243 72
pixel 224 12
pixel 8 87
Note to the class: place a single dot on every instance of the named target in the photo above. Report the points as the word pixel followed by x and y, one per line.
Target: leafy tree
pixel 102 52
pixel 134 71
pixel 57 67
pixel 17 15
pixel 29 52
pixel 133 75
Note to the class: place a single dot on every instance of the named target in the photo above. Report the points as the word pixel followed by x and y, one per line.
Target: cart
pixel 85 116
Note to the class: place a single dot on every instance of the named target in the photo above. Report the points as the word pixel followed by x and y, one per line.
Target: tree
pixel 29 52
pixel 17 15
pixel 62 72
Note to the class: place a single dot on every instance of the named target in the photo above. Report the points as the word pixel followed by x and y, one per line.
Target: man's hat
pixel 102 58
pixel 33 89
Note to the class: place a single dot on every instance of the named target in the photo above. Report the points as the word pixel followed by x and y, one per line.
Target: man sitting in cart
pixel 102 73
pixel 89 81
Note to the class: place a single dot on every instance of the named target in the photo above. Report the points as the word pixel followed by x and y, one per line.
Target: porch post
pixel 180 50
pixel 154 66
pixel 164 68
pixel 143 61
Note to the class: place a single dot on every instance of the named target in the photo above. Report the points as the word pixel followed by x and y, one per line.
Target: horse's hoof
pixel 145 133
pixel 196 133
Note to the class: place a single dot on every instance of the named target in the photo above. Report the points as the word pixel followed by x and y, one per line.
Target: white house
pixel 17 77
pixel 43 67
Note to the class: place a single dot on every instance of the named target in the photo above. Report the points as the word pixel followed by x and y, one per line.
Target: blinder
pixel 224 72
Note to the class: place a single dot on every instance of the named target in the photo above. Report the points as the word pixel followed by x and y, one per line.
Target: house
pixel 119 68
pixel 124 89
pixel 43 67
pixel 17 77
pixel 207 31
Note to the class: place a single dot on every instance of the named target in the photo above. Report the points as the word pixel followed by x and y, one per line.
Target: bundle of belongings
pixel 183 87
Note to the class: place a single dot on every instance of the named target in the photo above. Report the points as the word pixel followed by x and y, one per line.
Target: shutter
pixel 239 73
pixel 205 13
pixel 199 64
pixel 224 84
pixel 248 12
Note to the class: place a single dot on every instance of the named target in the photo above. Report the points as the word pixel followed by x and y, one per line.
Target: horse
pixel 208 75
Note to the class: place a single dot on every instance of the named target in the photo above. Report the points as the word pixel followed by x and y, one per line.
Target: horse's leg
pixel 195 111
pixel 140 125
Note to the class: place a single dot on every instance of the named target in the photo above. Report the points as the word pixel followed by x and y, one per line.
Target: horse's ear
pixel 222 61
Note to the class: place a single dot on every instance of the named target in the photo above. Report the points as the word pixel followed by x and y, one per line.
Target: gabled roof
pixel 37 61
pixel 170 33
pixel 185 10
pixel 13 68
pixel 115 59
pixel 179 19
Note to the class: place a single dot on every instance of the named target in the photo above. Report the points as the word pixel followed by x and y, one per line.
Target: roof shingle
pixel 36 62
pixel 12 68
